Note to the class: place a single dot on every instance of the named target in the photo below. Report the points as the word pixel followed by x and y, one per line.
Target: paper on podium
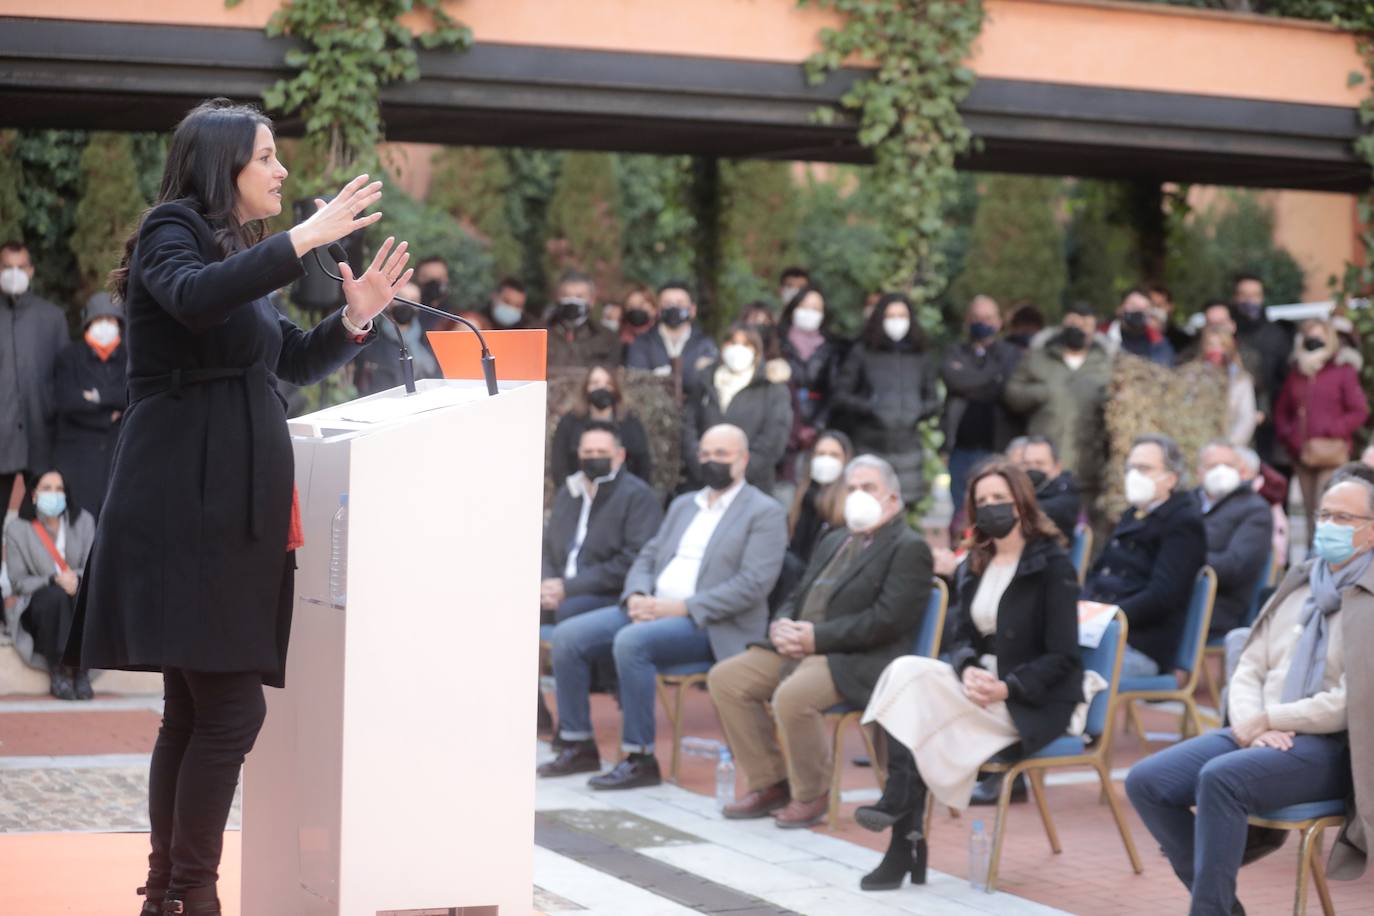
pixel 380 410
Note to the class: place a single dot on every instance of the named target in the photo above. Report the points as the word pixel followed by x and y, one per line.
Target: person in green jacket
pixel 1060 387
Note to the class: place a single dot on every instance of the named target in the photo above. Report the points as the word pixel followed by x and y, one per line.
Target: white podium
pixel 395 773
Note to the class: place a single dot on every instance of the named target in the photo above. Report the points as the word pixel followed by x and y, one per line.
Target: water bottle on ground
pixel 725 780
pixel 338 554
pixel 979 855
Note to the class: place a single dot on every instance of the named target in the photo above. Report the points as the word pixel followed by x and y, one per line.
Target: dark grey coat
pixel 32 332
pixel 1240 537
pixel 190 568
pixel 624 515
pixel 87 429
pixel 971 377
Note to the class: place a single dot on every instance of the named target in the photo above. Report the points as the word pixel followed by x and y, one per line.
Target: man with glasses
pixel 697 592
pixel 1148 567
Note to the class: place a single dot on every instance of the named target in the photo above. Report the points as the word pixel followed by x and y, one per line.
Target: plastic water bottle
pixel 338 554
pixel 725 780
pixel 979 855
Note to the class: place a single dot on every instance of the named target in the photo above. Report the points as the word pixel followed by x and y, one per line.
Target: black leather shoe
pixel 81 683
pixel 573 757
pixel 61 685
pixel 990 786
pixel 634 772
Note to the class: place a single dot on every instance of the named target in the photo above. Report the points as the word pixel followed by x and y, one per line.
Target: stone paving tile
pixel 549 902
pixel 54 800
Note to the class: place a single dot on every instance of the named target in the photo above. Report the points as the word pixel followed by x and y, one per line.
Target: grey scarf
pixel 1308 666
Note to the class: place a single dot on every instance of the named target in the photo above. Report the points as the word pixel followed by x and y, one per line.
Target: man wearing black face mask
pixel 431 281
pixel 378 367
pixel 574 339
pixel 1055 489
pixel 675 347
pixel 975 422
pixel 1136 331
pixel 1060 387
pixel 1274 345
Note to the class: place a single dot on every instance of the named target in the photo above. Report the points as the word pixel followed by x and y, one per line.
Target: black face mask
pixel 716 475
pixel 980 330
pixel 1313 344
pixel 675 316
pixel 596 468
pixel 1133 324
pixel 572 311
pixel 601 398
pixel 432 292
pixel 1073 338
pixel 995 520
pixel 638 318
pixel 402 314
pixel 1038 478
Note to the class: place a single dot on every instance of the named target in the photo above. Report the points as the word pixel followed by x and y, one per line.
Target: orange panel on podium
pixel 521 356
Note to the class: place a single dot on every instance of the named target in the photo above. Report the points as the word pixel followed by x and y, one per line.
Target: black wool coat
pixel 1061 500
pixel 86 428
pixel 1035 643
pixel 1148 568
pixel 189 567
pixel 624 516
pixel 1240 537
pixel 875 609
pixel 763 410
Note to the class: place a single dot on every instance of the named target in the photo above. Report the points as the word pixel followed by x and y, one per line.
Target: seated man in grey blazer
pixel 697 592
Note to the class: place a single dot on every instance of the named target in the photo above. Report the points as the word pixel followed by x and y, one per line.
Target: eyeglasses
pixel 1342 518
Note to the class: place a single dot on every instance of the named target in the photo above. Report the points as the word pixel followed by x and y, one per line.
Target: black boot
pixel 81 684
pixel 989 788
pixel 198 901
pixel 902 780
pixel 61 685
pixel 152 896
pixel 906 854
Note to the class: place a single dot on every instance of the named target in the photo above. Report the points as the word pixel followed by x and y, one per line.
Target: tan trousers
pixel 1311 481
pixel 743 686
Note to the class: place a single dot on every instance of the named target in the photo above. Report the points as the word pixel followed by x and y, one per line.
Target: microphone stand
pixel 337 252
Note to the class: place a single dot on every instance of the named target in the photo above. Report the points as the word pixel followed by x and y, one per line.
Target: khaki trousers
pixel 743 686
pixel 1311 481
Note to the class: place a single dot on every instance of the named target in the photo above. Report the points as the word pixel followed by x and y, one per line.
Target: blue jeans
pixel 1227 784
pixel 639 650
pixel 1135 663
pixel 580 604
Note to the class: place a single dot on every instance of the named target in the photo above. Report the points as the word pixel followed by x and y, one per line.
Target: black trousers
pixel 47 617
pixel 209 724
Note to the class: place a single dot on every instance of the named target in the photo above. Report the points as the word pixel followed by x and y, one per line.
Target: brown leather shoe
pixel 799 814
pixel 760 803
pixel 573 757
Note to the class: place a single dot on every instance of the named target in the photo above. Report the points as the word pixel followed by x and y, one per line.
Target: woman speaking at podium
pixel 191 570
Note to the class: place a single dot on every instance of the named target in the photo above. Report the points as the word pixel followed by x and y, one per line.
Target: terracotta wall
pixel 1135 46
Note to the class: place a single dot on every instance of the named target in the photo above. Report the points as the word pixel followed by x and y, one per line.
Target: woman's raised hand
pixel 373 291
pixel 339 217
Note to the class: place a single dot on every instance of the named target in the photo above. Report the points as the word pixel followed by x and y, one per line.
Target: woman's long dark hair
pixel 873 335
pixel 211 146
pixel 790 309
pixel 1033 520
pixel 830 500
pixel 29 512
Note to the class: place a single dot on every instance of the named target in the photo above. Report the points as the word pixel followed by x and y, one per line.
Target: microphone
pixel 336 251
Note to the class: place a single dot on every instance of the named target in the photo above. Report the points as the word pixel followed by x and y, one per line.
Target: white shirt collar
pixel 577 483
pixel 723 502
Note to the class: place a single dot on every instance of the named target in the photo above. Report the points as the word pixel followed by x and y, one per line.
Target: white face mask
pixel 611 325
pixel 1141 489
pixel 1220 481
pixel 807 319
pixel 737 357
pixel 14 281
pixel 506 315
pixel 103 331
pixel 826 469
pixel 862 511
pixel 896 328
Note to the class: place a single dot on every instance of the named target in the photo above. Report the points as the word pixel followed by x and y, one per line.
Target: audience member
pixel 792 281
pixel 1055 489
pixel 46 548
pixel 603 514
pixel 697 592
pixel 640 313
pixel 1061 387
pixel 1218 348
pixel 1013 676
pixel 1165 316
pixel 1136 331
pixel 574 339
pixel 1273 345
pixel 600 399
pixel 818 504
pixel 676 348
pixel 1272 487
pixel 1217 315
pixel 611 318
pixel 1025 322
pixel 89 397
pixel 1239 528
pixel 887 386
pixel 976 424
pixel 378 367
pixel 813 354
pixel 858 607
pixel 506 310
pixel 739 392
pixel 431 279
pixel 758 317
pixel 1289 706
pixel 36 331
pixel 1148 567
pixel 1319 410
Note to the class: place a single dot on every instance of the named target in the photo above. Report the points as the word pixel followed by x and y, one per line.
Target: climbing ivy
pixel 350 50
pixel 908 109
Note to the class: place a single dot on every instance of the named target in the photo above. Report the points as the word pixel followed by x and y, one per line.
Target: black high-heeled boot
pixel 198 901
pixel 152 898
pixel 902 780
pixel 907 854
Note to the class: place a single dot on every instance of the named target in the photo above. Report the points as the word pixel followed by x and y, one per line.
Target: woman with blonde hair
pixel 1217 347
